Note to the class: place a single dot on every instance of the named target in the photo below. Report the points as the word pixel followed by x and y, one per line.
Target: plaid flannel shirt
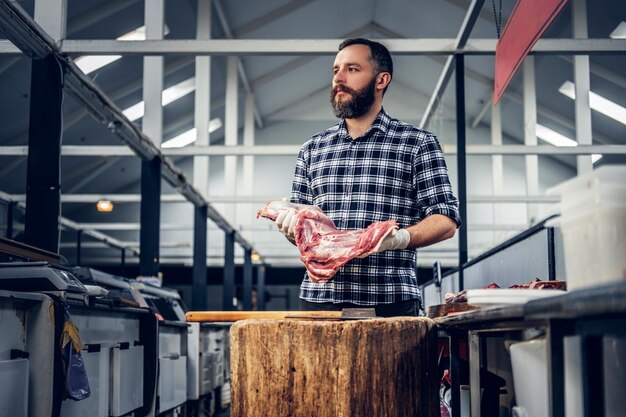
pixel 394 171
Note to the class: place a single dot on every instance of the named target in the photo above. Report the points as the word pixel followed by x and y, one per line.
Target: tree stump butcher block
pixel 357 368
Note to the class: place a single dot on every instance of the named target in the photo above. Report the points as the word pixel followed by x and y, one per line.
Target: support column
pixel 229 271
pixel 202 114
pixel 152 123
pixel 152 126
pixel 199 276
pixel 10 212
pixel 530 135
pixel 43 174
pixel 79 242
pixel 461 161
pixel 260 287
pixel 497 169
pixel 123 262
pixel 150 217
pixel 583 85
pixel 201 163
pixel 248 160
pixel 232 102
pixel 51 15
pixel 247 280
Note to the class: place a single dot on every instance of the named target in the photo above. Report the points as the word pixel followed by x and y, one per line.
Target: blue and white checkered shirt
pixel 394 171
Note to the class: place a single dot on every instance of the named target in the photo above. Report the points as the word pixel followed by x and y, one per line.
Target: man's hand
pixel 396 239
pixel 286 223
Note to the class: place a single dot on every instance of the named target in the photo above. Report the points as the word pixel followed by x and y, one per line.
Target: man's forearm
pixel 431 230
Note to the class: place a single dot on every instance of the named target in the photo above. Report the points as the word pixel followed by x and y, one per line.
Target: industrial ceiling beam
pixel 135 227
pixel 242 71
pixel 302 61
pixel 97 235
pixel 262 199
pixel 596 69
pixel 260 47
pixel 72 117
pixel 20 29
pixel 292 150
pixel 461 40
pixel 513 95
pixel 69 224
pixel 421 46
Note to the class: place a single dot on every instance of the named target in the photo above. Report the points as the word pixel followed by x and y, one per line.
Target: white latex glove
pixel 286 223
pixel 397 239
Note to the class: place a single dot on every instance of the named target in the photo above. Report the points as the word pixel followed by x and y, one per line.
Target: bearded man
pixel 370 168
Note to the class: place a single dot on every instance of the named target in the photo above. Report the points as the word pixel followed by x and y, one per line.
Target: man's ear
pixel 382 80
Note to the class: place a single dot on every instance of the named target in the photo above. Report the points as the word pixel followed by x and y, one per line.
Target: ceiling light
pixel 619 32
pixel 553 137
pixel 597 102
pixel 91 63
pixel 169 95
pixel 558 139
pixel 190 135
pixel 88 64
pixel 181 140
pixel 255 257
pixel 104 206
pixel 135 111
pixel 177 91
pixel 138 34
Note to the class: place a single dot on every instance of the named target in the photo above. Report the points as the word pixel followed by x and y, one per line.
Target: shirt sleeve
pixel 300 188
pixel 430 179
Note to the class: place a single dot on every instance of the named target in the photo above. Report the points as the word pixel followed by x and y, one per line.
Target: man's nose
pixel 339 77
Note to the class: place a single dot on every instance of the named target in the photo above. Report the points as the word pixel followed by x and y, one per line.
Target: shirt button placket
pixel 349 180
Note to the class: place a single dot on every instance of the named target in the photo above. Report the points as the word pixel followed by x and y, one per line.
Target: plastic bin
pixel 593 225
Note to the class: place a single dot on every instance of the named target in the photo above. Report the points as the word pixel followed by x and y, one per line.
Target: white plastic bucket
pixel 593 225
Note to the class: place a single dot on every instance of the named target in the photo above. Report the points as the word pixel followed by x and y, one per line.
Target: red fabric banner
pixel 530 18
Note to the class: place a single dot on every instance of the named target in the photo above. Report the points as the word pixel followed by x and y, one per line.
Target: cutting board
pixel 228 316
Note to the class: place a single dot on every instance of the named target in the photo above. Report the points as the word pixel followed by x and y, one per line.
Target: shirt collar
pixel 381 123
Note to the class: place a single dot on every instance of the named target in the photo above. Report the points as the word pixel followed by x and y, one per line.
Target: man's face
pixel 354 82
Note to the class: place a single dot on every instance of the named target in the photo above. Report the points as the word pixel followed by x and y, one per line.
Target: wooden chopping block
pixel 363 368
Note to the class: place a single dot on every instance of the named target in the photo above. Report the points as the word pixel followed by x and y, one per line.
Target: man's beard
pixel 355 107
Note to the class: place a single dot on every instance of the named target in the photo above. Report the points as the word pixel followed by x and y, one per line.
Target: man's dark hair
pixel 379 53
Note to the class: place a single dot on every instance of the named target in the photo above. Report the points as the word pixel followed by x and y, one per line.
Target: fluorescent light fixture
pixel 177 91
pixel 135 111
pixel 554 138
pixel 597 102
pixel 190 135
pixel 138 34
pixel 91 63
pixel 619 32
pixel 557 139
pixel 168 96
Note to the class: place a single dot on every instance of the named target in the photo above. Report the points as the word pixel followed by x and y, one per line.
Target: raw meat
pixel 536 284
pixel 323 248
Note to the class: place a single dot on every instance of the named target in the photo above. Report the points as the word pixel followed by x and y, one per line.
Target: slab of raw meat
pixel 323 248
